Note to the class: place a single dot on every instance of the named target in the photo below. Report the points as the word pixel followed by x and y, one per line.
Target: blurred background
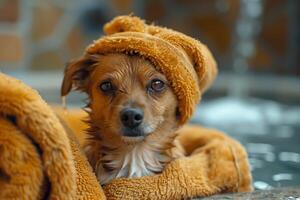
pixel 256 97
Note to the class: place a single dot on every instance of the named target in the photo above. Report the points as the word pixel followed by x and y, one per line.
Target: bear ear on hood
pixel 76 74
pixel 125 23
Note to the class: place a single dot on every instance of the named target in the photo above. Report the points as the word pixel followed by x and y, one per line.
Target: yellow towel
pixel 39 159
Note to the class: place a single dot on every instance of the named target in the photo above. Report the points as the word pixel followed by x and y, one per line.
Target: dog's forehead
pixel 122 65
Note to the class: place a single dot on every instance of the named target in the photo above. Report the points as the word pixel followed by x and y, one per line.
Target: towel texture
pixel 187 63
pixel 217 164
pixel 38 158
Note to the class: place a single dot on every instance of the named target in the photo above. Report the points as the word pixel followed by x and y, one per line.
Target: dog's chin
pixel 133 135
pixel 132 140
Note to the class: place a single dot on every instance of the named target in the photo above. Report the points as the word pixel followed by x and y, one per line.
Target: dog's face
pixel 129 98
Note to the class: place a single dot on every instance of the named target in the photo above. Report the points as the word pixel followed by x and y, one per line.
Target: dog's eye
pixel 157 85
pixel 106 87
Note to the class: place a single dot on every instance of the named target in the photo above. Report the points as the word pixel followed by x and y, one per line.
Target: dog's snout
pixel 132 117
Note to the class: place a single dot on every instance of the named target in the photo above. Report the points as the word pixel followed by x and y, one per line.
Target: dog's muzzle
pixel 132 119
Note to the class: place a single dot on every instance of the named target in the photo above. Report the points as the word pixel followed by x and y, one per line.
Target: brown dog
pixel 132 115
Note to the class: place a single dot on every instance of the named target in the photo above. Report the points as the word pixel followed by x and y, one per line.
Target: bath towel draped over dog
pixel 40 159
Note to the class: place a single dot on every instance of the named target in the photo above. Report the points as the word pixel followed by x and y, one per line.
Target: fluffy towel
pixel 38 158
pixel 187 63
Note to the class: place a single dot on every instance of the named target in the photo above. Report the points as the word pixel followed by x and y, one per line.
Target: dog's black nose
pixel 132 117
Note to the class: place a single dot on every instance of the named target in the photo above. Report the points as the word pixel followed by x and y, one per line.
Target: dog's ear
pixel 177 113
pixel 77 73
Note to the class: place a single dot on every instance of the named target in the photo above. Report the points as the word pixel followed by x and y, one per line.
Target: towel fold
pixel 39 159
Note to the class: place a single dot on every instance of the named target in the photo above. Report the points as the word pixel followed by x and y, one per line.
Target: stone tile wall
pixel 43 35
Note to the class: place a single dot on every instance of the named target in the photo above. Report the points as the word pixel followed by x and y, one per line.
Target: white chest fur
pixel 131 161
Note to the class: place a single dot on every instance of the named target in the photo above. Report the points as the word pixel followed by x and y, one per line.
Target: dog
pixel 143 84
pixel 133 115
